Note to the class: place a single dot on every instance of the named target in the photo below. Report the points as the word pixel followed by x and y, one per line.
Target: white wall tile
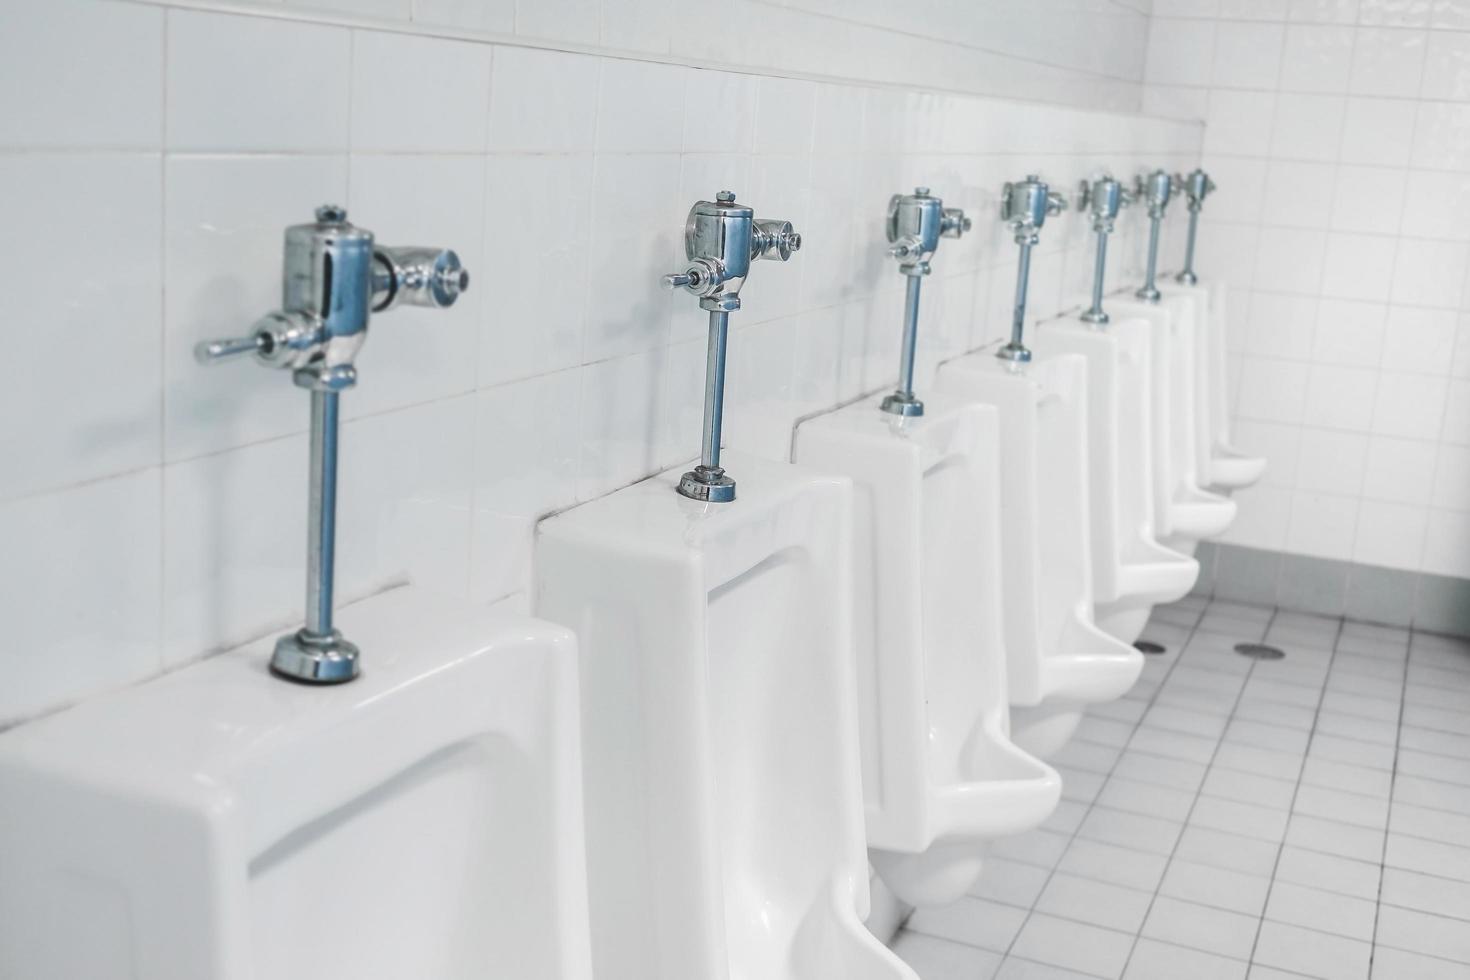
pixel 1340 398
pixel 1401 470
pixel 543 101
pixel 1332 462
pixel 91 73
pixel 1388 61
pixel 536 246
pixel 1441 136
pixel 1409 405
pixel 1350 332
pixel 1447 67
pixel 1423 340
pixel 1322 525
pixel 621 419
pixel 638 25
pixel 1324 11
pixel 1359 266
pixel 250 83
pixel 1394 13
pixel 1429 273
pixel 419 94
pixel 641 107
pixel 80 570
pixel 1317 58
pixel 627 307
pixel 1390 535
pixel 1307 127
pixel 1451 477
pixel 1447 543
pixel 475 15
pixel 1180 52
pixel 559 20
pixel 1377 131
pixel 1239 122
pixel 1247 55
pixel 1369 199
pixel 80 383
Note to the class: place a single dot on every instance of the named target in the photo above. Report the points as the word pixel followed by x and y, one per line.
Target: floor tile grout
pixel 1320 723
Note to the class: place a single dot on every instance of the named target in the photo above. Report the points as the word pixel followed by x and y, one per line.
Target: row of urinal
pixel 868 655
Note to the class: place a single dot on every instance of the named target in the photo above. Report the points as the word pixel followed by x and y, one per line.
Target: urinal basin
pixel 424 820
pixel 1231 469
pixel 724 805
pixel 1219 464
pixel 1057 659
pixel 1130 568
pixel 1184 512
pixel 940 774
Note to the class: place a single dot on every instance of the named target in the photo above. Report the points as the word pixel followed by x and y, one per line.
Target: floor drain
pixel 1148 646
pixel 1259 651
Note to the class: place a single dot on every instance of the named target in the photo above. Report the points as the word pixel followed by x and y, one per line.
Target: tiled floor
pixel 1234 818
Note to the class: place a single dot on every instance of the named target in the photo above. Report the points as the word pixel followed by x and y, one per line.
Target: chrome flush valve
pixel 1101 198
pixel 334 277
pixel 916 223
pixel 1196 186
pixel 721 239
pixel 1154 191
pixel 1024 207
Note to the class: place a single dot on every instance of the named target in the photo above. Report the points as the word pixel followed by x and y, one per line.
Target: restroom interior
pixel 925 601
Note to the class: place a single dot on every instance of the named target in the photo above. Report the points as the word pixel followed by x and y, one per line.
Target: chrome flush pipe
pixel 334 277
pixel 1024 207
pixel 1155 190
pixel 1101 198
pixel 916 222
pixel 1197 186
pixel 721 239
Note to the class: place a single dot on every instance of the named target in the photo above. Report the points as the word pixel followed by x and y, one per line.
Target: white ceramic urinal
pixel 1132 572
pixel 424 820
pixel 1058 661
pixel 1184 512
pixel 724 805
pixel 1220 464
pixel 940 774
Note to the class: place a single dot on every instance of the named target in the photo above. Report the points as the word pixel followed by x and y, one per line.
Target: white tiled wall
pixel 1077 52
pixel 152 510
pixel 1339 133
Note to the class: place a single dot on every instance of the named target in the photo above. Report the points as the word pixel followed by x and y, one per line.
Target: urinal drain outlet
pixel 1149 646
pixel 1259 651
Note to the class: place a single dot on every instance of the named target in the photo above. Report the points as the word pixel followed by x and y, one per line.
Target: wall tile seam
pixel 1301 22
pixel 345 21
pixel 935 39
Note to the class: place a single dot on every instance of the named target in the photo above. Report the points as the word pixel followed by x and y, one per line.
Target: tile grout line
pixel 1296 791
pixel 1122 750
pixel 1393 779
pixel 1199 791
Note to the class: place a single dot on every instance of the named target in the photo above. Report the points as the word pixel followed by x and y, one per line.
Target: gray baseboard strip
pixel 1368 593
